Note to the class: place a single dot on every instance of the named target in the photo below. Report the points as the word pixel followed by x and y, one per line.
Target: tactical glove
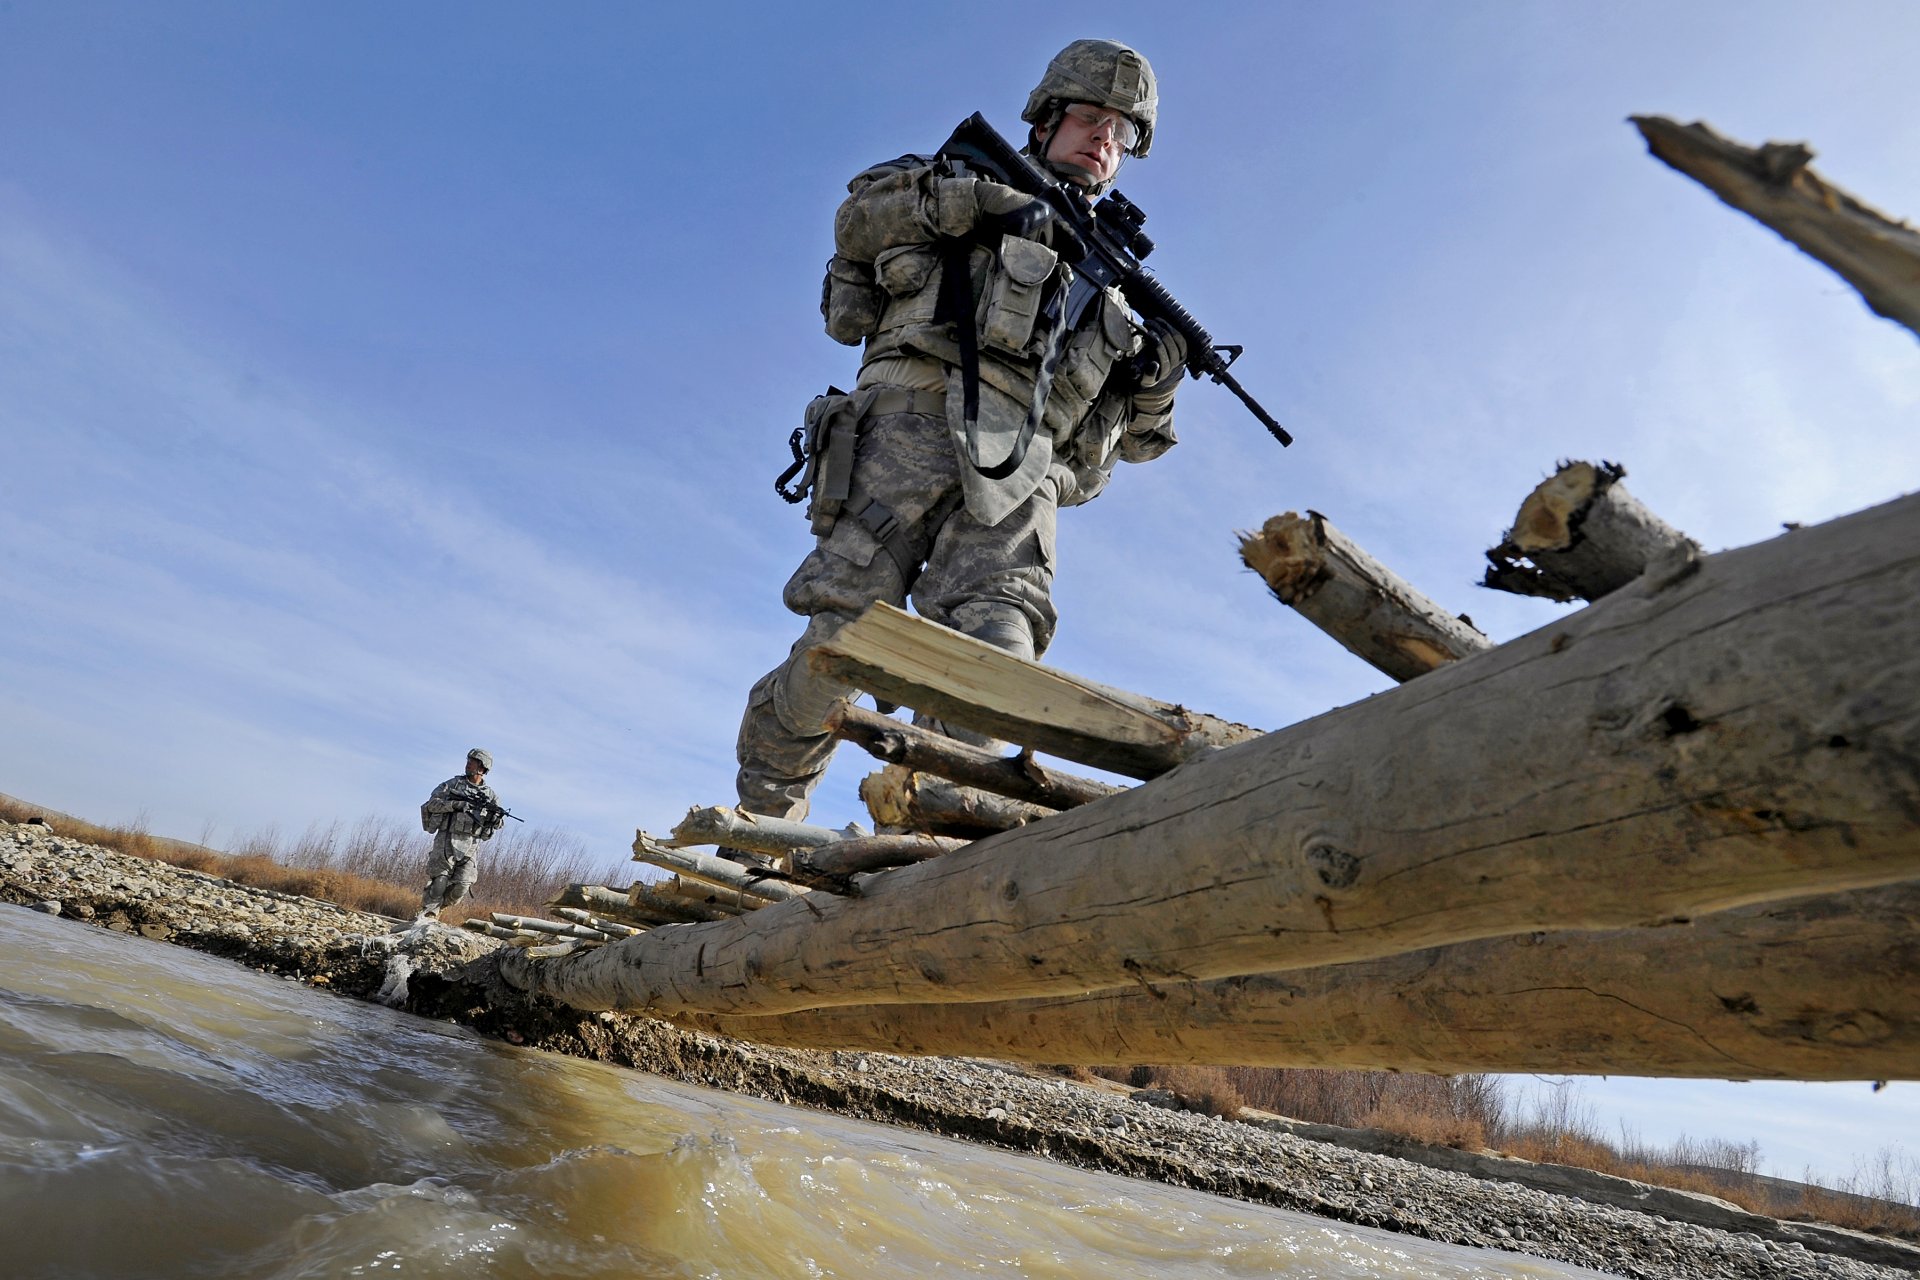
pixel 1162 360
pixel 1006 212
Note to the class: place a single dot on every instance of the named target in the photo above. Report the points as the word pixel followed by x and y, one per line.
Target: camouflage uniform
pixel 452 813
pixel 974 553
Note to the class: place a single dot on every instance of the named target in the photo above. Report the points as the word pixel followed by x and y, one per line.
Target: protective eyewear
pixel 1121 128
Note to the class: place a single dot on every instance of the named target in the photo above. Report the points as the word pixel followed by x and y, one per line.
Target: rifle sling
pixel 956 306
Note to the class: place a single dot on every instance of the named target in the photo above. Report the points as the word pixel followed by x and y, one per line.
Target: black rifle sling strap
pixel 956 306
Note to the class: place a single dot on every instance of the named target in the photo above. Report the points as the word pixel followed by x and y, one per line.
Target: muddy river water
pixel 165 1113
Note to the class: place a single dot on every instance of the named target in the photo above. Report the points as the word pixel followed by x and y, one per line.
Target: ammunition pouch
pixel 1014 293
pixel 851 301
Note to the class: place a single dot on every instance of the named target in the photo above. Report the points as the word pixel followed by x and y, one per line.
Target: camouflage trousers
pixel 991 582
pixel 452 871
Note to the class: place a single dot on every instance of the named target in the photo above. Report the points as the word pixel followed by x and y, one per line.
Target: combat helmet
pixel 484 757
pixel 1104 72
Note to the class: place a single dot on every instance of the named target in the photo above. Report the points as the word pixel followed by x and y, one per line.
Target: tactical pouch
pixel 850 301
pixel 833 429
pixel 1013 295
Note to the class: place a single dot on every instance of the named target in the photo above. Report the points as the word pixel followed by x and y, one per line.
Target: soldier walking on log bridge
pixel 997 385
pixel 461 812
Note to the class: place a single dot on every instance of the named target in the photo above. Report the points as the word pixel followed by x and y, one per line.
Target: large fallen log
pixel 1744 729
pixel 1875 254
pixel 899 798
pixel 1018 777
pixel 1814 989
pixel 1374 613
pixel 965 682
pixel 1580 535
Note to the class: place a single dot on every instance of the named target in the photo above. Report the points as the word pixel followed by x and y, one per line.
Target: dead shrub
pixel 1204 1089
pixel 1424 1124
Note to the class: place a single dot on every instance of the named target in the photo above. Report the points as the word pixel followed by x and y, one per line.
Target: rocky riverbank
pixel 1609 1224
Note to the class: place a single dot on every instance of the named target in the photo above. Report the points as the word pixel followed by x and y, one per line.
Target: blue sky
pixel 377 381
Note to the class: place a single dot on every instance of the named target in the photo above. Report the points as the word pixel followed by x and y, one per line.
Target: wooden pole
pixel 624 905
pixel 1872 252
pixel 1334 584
pixel 1744 732
pixel 872 853
pixel 966 682
pixel 646 901
pixel 730 901
pixel 1580 535
pixel 1018 777
pixel 899 798
pixel 1814 989
pixel 738 829
pixel 716 871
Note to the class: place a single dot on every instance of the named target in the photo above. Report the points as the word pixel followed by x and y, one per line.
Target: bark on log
pixel 965 682
pixel 1580 535
pixel 736 828
pixel 612 928
pixel 592 897
pixel 1334 584
pixel 871 853
pixel 716 871
pixel 618 904
pixel 534 924
pixel 1814 989
pixel 1018 777
pixel 1743 732
pixel 1875 254
pixel 731 901
pixel 899 798
pixel 645 900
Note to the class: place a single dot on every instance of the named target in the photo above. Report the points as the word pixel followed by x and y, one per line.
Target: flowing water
pixel 164 1113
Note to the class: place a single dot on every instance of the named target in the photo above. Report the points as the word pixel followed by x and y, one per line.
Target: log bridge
pixel 1675 832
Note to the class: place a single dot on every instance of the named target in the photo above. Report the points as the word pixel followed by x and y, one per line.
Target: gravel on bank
pixel 445 973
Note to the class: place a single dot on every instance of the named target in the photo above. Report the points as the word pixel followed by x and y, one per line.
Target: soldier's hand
pixel 1162 359
pixel 1006 212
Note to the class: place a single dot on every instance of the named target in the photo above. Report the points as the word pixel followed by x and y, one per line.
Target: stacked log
pixel 1677 834
pixel 1739 734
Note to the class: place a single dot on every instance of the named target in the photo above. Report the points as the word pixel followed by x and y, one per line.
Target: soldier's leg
pixel 994 583
pixel 783 747
pixel 439 877
pixel 904 466
pixel 460 879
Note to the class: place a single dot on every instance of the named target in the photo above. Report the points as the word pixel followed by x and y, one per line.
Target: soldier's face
pixel 1089 138
pixel 475 771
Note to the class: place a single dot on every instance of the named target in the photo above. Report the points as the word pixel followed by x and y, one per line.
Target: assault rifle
pixel 486 813
pixel 1105 245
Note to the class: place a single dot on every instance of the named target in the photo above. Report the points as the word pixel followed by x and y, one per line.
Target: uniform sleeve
pixel 442 799
pixel 906 201
pixel 1148 435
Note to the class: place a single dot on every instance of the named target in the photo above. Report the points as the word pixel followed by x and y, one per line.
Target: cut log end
pixel 1289 553
pixel 1550 518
